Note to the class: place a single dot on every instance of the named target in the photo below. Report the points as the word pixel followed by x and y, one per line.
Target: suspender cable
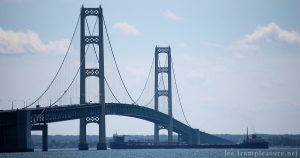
pixel 149 102
pixel 76 72
pixel 111 90
pixel 179 95
pixel 62 63
pixel 146 80
pixel 116 63
pixel 59 98
pixel 160 81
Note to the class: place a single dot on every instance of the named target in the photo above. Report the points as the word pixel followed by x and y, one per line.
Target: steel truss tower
pixel 97 72
pixel 167 93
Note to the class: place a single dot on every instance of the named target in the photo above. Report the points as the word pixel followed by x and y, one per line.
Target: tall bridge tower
pixel 167 93
pixel 97 72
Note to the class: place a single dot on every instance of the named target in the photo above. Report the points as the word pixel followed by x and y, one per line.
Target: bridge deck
pixel 71 112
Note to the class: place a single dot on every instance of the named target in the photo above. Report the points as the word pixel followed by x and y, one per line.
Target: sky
pixel 236 62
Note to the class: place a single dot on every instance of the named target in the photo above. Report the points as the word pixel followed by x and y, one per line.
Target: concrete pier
pixel 44 129
pixel 15 131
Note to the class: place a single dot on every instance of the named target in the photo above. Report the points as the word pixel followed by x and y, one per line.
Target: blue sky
pixel 237 62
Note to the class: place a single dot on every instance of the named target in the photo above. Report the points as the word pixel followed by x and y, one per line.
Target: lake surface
pixel 161 153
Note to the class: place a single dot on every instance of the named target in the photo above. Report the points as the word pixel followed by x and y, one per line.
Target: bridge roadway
pixel 70 112
pixel 12 120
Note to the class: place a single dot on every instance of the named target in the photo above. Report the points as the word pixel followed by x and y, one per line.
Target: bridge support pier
pixel 156 134
pixel 195 137
pixel 15 132
pixel 45 137
pixel 179 138
pixel 101 146
pixel 83 146
pixel 102 136
pixel 44 129
pixel 82 135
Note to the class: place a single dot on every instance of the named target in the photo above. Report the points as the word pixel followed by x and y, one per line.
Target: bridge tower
pixel 167 93
pixel 98 72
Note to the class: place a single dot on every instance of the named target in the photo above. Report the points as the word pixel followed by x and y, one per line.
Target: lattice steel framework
pixel 167 93
pixel 98 72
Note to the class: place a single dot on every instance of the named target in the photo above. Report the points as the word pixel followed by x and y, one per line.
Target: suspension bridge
pixel 16 124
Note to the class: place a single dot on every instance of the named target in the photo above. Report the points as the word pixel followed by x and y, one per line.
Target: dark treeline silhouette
pixel 71 141
pixel 274 140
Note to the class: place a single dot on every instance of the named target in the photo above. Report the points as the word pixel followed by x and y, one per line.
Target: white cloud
pixel 272 32
pixel 171 16
pixel 126 29
pixel 12 42
pixel 267 34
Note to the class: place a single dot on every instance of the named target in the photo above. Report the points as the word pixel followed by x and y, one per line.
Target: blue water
pixel 162 153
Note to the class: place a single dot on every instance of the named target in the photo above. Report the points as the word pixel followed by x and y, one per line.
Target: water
pixel 162 153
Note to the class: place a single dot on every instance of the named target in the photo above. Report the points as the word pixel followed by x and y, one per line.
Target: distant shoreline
pixel 71 141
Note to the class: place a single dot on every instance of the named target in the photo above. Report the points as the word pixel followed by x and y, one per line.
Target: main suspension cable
pixel 62 93
pixel 79 66
pixel 59 98
pixel 160 81
pixel 111 90
pixel 146 80
pixel 149 102
pixel 116 63
pixel 66 54
pixel 179 95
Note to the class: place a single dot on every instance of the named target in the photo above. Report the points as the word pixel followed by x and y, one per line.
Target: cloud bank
pixel 12 42
pixel 268 33
pixel 273 32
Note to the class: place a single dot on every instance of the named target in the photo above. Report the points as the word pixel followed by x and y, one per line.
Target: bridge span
pixel 15 125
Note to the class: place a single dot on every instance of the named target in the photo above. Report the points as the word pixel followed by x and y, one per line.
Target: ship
pixel 252 142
